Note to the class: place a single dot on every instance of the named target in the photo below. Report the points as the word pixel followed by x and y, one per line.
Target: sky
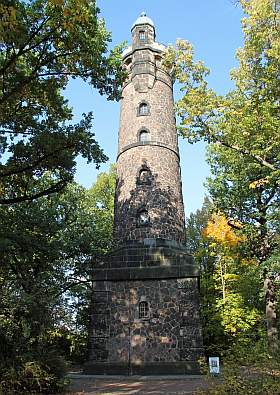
pixel 214 29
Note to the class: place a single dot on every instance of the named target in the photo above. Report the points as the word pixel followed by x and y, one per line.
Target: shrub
pixel 33 377
pixel 247 371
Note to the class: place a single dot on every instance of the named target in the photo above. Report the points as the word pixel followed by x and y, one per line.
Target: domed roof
pixel 143 19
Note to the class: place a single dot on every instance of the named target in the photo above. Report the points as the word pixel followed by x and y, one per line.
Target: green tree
pixel 43 44
pixel 243 129
pixel 48 249
pixel 199 247
pixel 245 120
pixel 229 282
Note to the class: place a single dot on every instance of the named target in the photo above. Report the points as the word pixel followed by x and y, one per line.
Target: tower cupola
pixel 143 31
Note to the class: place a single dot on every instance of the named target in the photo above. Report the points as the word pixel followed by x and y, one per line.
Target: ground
pixel 138 385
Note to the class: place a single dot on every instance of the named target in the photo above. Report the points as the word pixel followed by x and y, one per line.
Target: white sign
pixel 214 365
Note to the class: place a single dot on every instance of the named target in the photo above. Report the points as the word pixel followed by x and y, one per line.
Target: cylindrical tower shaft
pixel 149 202
pixel 145 310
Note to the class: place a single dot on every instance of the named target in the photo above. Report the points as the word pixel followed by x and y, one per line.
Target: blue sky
pixel 214 29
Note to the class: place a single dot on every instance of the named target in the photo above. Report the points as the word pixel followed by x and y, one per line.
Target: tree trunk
pixel 270 313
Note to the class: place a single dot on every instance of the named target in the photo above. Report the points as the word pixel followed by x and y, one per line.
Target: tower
pixel 145 316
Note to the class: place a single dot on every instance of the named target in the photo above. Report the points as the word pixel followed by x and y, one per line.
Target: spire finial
pixel 143 13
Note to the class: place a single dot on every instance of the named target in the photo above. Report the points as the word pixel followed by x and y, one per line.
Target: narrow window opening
pixel 144 176
pixel 143 218
pixel 144 136
pixel 143 310
pixel 143 109
pixel 142 35
pixel 158 60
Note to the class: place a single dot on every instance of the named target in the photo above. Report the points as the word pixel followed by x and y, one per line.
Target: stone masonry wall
pixel 160 122
pixel 161 196
pixel 170 333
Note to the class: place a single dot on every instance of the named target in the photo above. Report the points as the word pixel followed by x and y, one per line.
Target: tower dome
pixel 143 19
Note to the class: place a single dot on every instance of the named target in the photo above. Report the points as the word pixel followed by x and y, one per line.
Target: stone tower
pixel 145 296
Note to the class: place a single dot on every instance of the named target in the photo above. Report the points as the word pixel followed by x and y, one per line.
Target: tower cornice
pixel 155 47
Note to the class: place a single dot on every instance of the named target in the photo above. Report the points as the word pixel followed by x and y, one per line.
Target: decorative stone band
pixel 140 48
pixel 143 273
pixel 152 142
pixel 157 78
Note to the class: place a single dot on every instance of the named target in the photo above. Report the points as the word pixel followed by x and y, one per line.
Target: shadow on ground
pixel 138 385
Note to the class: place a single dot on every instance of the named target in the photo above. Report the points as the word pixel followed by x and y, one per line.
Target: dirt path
pixel 138 385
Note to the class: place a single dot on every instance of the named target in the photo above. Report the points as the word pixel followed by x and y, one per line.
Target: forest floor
pixel 137 385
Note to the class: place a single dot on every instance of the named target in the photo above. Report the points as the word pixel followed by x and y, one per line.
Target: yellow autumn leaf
pixel 258 183
pixel 218 229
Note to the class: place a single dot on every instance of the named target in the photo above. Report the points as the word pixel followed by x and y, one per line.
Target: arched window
pixel 143 310
pixel 144 135
pixel 143 109
pixel 143 218
pixel 142 35
pixel 144 176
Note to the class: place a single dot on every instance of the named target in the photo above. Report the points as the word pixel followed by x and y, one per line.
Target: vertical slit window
pixel 143 310
pixel 142 35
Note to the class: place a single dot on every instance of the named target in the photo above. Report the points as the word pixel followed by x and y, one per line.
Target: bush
pixel 247 371
pixel 33 377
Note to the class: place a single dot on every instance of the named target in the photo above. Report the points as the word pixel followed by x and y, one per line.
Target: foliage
pixel 43 44
pixel 48 249
pixel 246 371
pixel 242 128
pixel 34 377
pixel 230 282
pixel 245 120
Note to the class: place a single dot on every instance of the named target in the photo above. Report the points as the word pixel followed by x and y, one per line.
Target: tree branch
pixel 52 189
pixel 235 147
pixel 37 162
pixel 22 49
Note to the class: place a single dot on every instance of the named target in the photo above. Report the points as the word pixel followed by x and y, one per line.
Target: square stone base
pixel 146 369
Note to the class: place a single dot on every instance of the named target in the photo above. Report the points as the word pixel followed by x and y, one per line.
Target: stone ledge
pixel 152 143
pixel 151 254
pixel 142 273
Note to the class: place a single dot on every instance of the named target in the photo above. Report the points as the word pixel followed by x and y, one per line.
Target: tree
pixel 48 249
pixel 242 128
pixel 245 120
pixel 230 284
pixel 43 44
pixel 253 207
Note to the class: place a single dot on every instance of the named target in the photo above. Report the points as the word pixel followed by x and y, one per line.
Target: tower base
pixel 166 337
pixel 145 369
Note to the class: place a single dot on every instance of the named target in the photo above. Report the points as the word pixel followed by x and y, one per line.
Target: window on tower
pixel 142 35
pixel 143 310
pixel 144 136
pixel 143 218
pixel 144 176
pixel 143 109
